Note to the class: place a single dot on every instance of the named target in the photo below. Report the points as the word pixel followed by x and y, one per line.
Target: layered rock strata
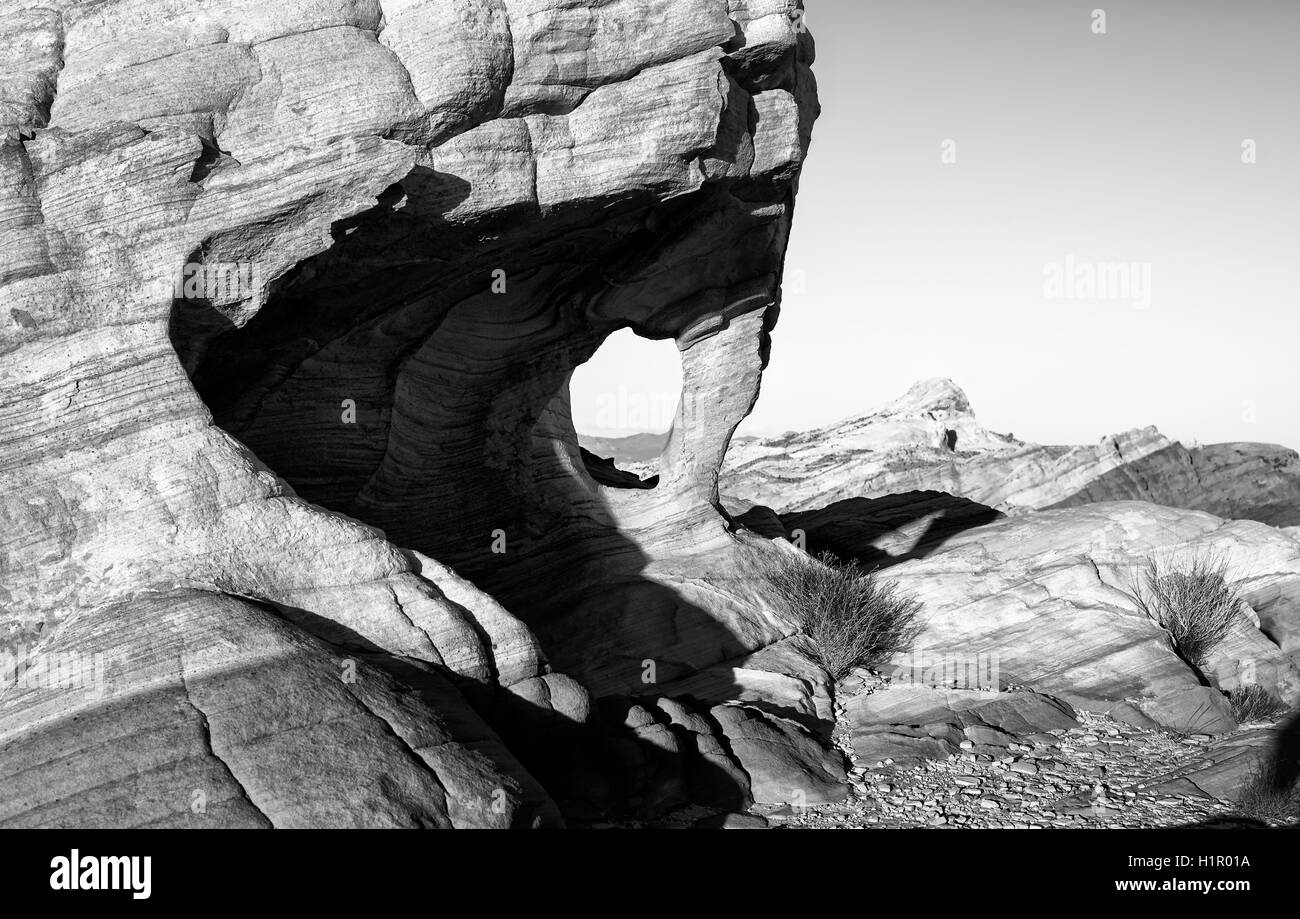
pixel 1049 600
pixel 930 440
pixel 291 294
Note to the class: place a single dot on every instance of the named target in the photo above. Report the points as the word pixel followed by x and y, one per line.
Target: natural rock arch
pixel 374 205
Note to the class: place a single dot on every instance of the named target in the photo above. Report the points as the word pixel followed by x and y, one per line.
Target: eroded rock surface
pixel 291 294
pixel 929 440
pixel 912 721
pixel 1045 601
pixel 290 297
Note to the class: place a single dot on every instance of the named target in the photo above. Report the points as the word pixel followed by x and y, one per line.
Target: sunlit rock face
pixel 1025 557
pixel 290 295
pixel 1048 600
pixel 930 440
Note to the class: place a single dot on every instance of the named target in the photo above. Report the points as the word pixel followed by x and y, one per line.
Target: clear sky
pixel 1115 156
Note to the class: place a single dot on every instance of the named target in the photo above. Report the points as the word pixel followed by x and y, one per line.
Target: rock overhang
pixel 369 195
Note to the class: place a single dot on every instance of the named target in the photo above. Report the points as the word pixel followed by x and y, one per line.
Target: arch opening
pixel 624 402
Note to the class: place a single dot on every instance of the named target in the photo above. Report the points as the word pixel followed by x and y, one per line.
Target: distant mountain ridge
pixel 929 440
pixel 636 448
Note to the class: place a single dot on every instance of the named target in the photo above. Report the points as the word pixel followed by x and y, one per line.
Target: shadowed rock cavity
pixel 414 375
pixel 428 220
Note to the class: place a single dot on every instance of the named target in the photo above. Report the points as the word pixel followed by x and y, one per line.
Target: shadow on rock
pixel 632 760
pixel 878 532
pixel 1273 791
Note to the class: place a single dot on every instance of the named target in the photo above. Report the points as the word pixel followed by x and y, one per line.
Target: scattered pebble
pixel 1098 775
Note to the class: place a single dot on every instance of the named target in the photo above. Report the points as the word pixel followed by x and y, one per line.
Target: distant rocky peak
pixel 937 395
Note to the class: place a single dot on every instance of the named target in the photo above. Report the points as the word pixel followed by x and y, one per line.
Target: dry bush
pixel 1196 604
pixel 1267 796
pixel 1255 703
pixel 853 619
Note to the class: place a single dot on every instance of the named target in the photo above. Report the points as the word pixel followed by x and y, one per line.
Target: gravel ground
pixel 1097 776
pixel 1103 774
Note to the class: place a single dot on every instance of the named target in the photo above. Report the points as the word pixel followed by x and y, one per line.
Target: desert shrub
pixel 853 619
pixel 1255 703
pixel 1196 604
pixel 1268 795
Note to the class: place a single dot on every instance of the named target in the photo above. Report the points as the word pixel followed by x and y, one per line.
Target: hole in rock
pixel 623 402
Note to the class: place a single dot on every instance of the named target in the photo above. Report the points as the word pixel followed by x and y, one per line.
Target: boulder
pixel 1226 766
pixel 236 718
pixel 785 763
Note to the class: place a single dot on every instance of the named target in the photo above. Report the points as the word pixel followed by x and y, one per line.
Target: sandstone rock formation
pixel 929 440
pixel 912 721
pixel 1045 600
pixel 298 531
pixel 289 298
pixel 1046 592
